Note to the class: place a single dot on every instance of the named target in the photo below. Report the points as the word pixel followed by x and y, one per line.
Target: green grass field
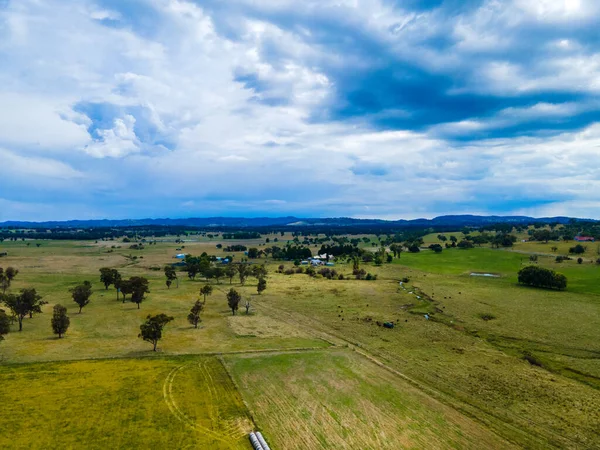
pixel 309 365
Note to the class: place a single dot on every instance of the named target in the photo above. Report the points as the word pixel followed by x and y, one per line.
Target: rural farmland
pixel 466 361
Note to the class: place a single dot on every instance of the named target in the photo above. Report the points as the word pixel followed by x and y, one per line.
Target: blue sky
pixel 389 109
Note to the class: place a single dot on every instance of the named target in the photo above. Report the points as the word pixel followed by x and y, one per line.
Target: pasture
pixel 495 363
pixel 124 403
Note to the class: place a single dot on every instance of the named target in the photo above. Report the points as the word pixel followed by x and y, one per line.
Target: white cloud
pixel 26 167
pixel 268 134
pixel 116 142
pixel 29 120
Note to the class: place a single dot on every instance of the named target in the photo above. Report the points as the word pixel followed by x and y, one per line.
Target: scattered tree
pixel 108 276
pixel 60 321
pixel 206 290
pixel 396 249
pixel 247 306
pixel 151 330
pixel 6 277
pixel 139 287
pixel 243 273
pixel 233 300
pixel 259 271
pixel 81 294
pixel 230 272
pixel 465 244
pixel 26 303
pixel 117 282
pixel 171 275
pixel 194 315
pixel 217 273
pixel 126 288
pixel 262 285
pixel 4 324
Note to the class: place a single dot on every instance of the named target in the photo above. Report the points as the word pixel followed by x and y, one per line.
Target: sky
pixel 314 108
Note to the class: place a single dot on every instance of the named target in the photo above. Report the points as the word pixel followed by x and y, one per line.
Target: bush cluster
pixel 542 277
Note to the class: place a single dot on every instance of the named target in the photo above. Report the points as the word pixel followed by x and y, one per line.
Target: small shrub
pixel 437 248
pixel 359 273
pixel 487 317
pixel 579 260
pixel 577 250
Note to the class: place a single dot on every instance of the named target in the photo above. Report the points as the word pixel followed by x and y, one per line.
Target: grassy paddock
pixel 337 399
pixel 132 403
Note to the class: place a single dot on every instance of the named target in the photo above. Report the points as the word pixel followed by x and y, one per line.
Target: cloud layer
pixel 155 108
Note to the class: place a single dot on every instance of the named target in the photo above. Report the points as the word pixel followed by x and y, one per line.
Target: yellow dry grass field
pixel 121 404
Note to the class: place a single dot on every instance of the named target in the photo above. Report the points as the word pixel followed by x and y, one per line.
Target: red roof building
pixel 584 239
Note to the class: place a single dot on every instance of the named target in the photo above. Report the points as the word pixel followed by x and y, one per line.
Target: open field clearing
pixel 476 365
pixel 338 399
pixel 122 404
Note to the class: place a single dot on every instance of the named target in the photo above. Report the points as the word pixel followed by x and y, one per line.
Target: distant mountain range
pixel 292 222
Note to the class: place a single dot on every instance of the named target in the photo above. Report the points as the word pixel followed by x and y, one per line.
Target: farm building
pixel 584 239
pixel 180 256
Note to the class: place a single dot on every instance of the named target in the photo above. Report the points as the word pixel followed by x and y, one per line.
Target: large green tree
pixel 81 294
pixel 139 287
pixel 233 300
pixel 541 277
pixel 126 288
pixel 60 321
pixel 194 315
pixel 27 302
pixel 108 276
pixel 152 329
